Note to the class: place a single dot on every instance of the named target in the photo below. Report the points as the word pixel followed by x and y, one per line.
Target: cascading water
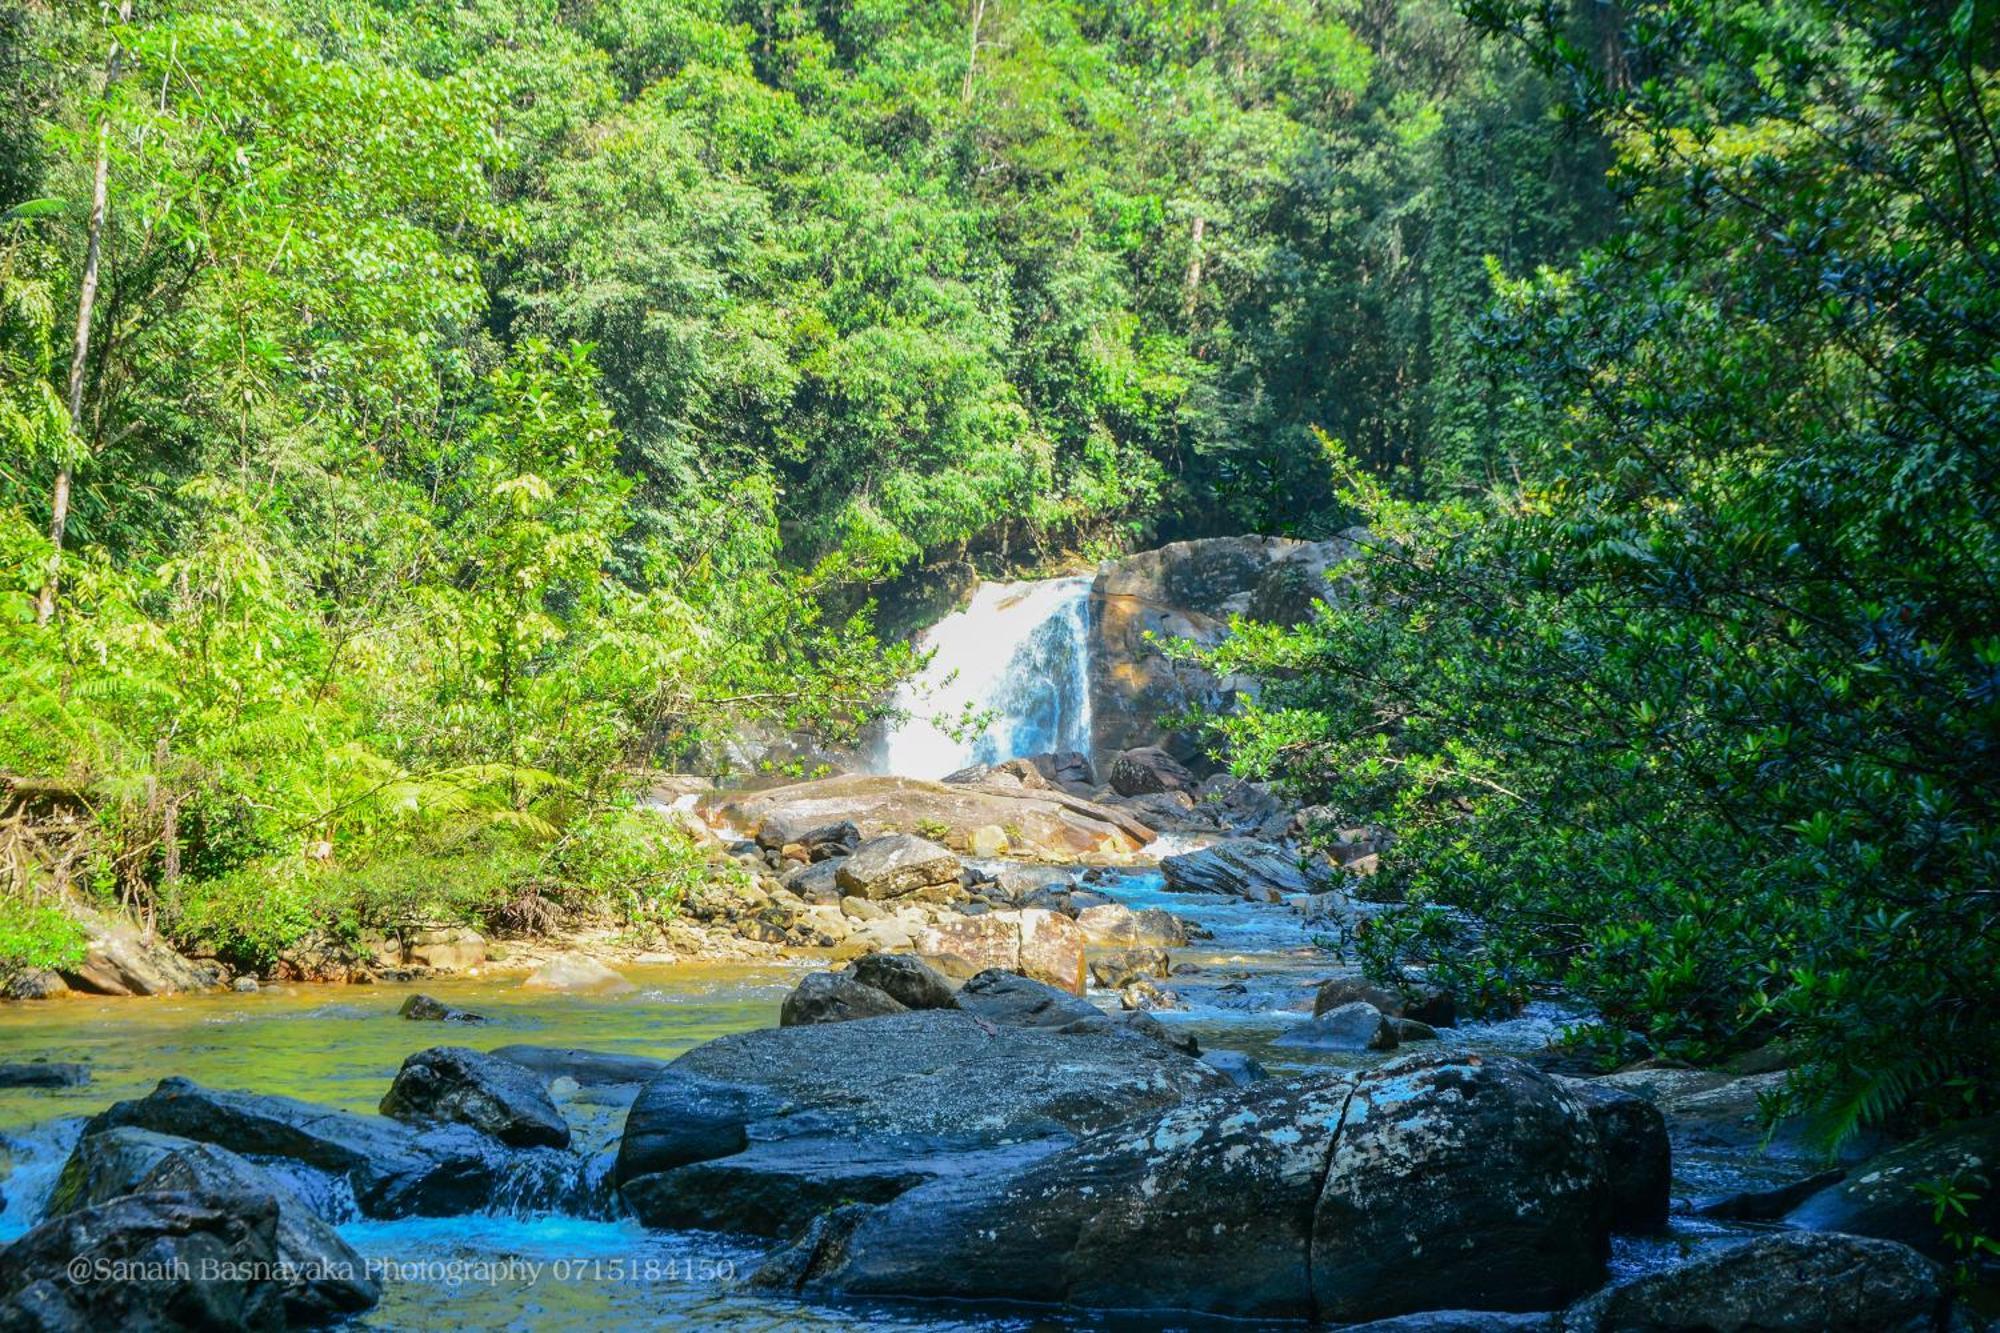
pixel 1016 661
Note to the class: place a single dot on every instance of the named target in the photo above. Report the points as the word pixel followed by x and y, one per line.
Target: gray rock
pixel 1346 990
pixel 1239 1067
pixel 329 1280
pixel 393 1169
pixel 1125 966
pixel 1354 1026
pixel 105 1165
pixel 1148 769
pixel 424 1009
pixel 1427 1183
pixel 909 981
pixel 1459 1182
pixel 894 865
pixel 834 997
pixel 900 1095
pixel 818 882
pixel 1879 1198
pixel 1242 867
pixel 1836 1284
pixel 1638 1157
pixel 1012 1000
pixel 43 1074
pixel 590 1069
pixel 172 1242
pixel 493 1095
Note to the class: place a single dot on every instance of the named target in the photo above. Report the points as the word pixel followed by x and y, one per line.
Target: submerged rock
pixel 576 972
pixel 493 1095
pixel 164 1246
pixel 43 1074
pixel 1834 1284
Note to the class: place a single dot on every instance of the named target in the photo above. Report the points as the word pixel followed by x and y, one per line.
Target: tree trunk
pixel 1194 269
pixel 86 303
pixel 972 51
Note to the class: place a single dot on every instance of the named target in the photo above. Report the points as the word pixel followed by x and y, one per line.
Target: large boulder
pixel 105 1165
pixel 1880 1197
pixel 1045 823
pixel 491 1094
pixel 1460 1182
pixel 1424 1185
pixel 759 1130
pixel 1832 1284
pixel 1012 1000
pixel 1117 924
pixel 896 864
pixel 121 959
pixel 1638 1158
pixel 1355 1026
pixel 1245 868
pixel 910 982
pixel 1149 769
pixel 149 1263
pixel 393 1169
pixel 1036 942
pixel 1187 590
pixel 835 997
pixel 324 1279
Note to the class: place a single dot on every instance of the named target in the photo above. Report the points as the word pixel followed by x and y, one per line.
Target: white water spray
pixel 1019 655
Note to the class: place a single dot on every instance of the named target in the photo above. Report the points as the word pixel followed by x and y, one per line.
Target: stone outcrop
pixel 121 959
pixel 1880 1198
pixel 894 866
pixel 1265 872
pixel 1033 941
pixel 1187 590
pixel 762 1130
pixel 1428 1184
pixel 1045 823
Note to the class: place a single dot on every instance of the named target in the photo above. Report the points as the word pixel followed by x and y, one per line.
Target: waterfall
pixel 1017 659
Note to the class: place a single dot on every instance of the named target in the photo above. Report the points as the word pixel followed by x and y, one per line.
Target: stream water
pixel 1018 651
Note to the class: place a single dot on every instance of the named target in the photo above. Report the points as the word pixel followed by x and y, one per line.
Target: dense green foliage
pixel 482 398
pixel 1697 713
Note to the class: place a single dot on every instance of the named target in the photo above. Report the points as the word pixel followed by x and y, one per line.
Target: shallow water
pixel 341 1046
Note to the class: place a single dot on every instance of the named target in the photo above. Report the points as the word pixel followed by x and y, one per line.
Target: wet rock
pixel 1453 1184
pixel 589 1069
pixel 1836 1284
pixel 834 997
pixel 1459 1182
pixel 1766 1205
pixel 1354 1026
pixel 1047 824
pixel 578 973
pixel 1880 1198
pixel 43 1074
pixel 1238 1067
pixel 493 1095
pixel 424 1009
pixel 1148 769
pixel 1409 1030
pixel 873 1107
pixel 895 865
pixel 328 1279
pixel 393 1169
pixel 1242 867
pixel 1012 1000
pixel 1117 924
pixel 1142 995
pixel 1042 944
pixel 164 1243
pixel 1433 1005
pixel 1637 1155
pixel 1114 1220
pixel 1114 971
pixel 1346 990
pixel 909 981
pixel 105 1165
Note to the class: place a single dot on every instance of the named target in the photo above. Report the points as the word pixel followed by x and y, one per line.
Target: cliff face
pixel 1188 590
